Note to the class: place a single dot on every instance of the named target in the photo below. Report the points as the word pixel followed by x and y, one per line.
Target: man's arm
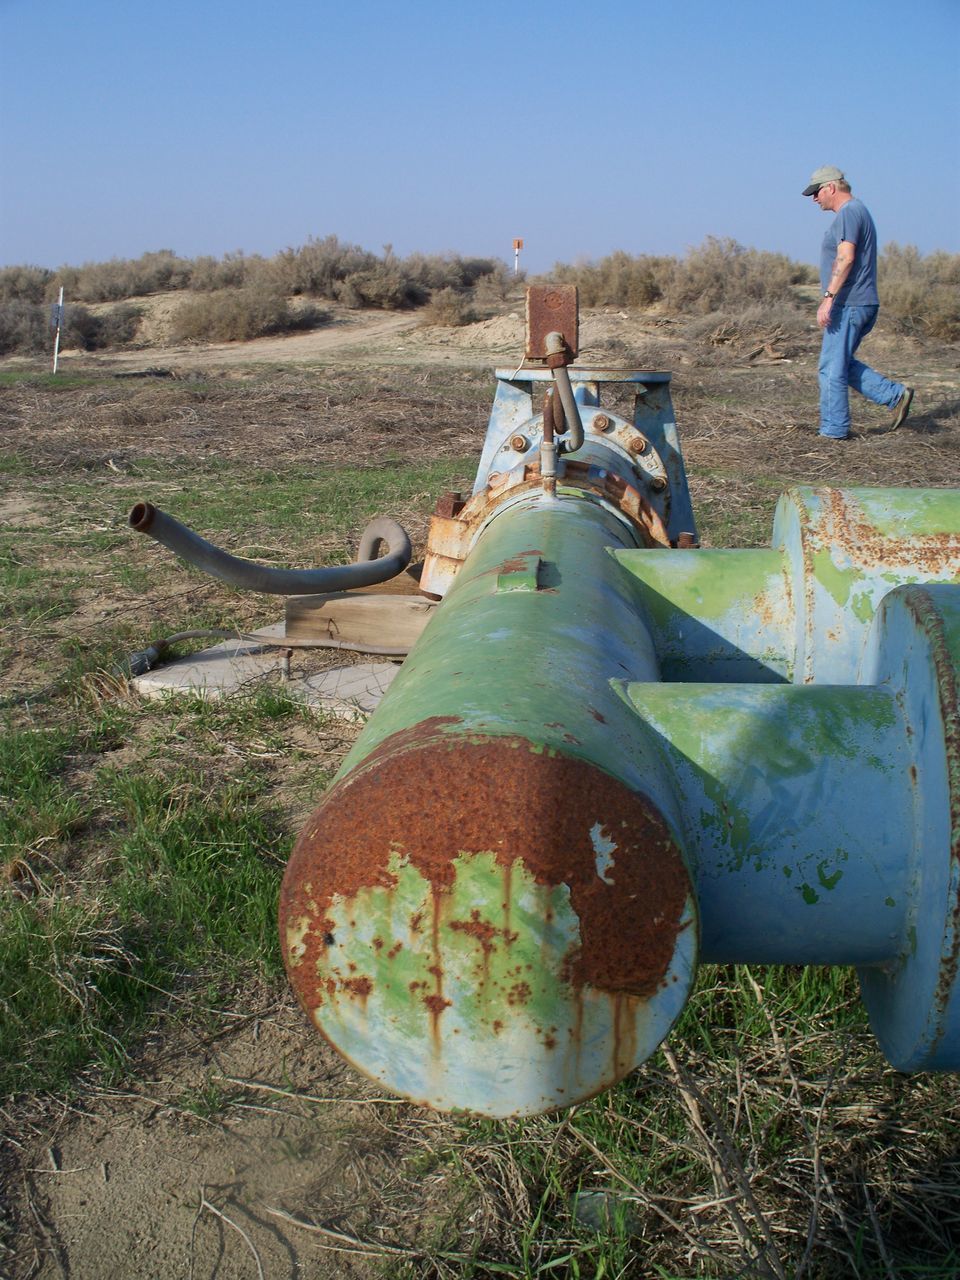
pixel 842 266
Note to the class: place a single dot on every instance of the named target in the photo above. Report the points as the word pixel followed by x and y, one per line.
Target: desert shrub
pixel 24 283
pixel 232 271
pixel 24 328
pixel 125 277
pixel 329 268
pixel 319 266
pixel 722 273
pixel 921 294
pixel 447 308
pixel 96 332
pixel 494 286
pixel 236 315
pixel 432 272
pixel 719 273
pixel 384 286
pixel 618 280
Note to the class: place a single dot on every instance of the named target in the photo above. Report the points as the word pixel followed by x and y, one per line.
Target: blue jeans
pixel 839 370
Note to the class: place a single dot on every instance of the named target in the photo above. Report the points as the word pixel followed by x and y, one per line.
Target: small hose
pixel 556 348
pixel 571 411
pixel 367 571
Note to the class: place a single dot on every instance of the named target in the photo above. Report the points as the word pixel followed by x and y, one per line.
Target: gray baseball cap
pixel 826 173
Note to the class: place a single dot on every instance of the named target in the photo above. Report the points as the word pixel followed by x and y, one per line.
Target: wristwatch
pixel 828 294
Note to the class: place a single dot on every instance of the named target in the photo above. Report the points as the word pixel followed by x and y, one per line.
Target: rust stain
pixel 848 529
pixel 450 540
pixel 483 931
pixel 436 1004
pixel 623 1049
pixel 436 798
pixel 356 987
pixel 597 715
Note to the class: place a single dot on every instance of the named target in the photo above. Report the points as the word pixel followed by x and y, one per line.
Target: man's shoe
pixel 901 409
pixel 825 435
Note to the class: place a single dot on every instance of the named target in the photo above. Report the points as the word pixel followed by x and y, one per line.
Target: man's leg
pixel 861 377
pixel 836 351
pixel 839 371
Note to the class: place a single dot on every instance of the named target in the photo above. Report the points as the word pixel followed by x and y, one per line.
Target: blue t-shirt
pixel 853 223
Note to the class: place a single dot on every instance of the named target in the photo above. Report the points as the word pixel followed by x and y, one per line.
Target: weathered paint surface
pixel 846 549
pixel 717 615
pixel 914 999
pixel 445 922
pixel 798 809
pixel 802 610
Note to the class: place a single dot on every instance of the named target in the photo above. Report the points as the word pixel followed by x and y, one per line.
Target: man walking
pixel 848 308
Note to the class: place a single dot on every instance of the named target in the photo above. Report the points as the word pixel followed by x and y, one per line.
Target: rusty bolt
pixel 600 422
pixel 638 444
pixel 519 443
pixel 658 483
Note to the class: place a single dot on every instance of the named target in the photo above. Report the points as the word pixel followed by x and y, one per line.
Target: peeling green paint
pixel 471 944
pixel 704 584
pixel 909 513
pixel 862 605
pixel 838 582
pixel 810 895
pixel 827 881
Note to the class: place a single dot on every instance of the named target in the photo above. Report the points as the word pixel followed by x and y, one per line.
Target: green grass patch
pixel 170 891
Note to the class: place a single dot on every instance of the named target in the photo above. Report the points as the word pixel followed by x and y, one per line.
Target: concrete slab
pixel 232 667
pixel 352 693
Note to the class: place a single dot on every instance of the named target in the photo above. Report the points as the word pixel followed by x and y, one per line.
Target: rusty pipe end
pixel 482 925
pixel 142 516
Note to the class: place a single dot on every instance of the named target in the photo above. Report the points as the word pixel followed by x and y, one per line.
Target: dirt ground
pixel 249 1148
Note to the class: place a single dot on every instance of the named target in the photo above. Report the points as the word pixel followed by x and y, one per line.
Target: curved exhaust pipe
pixel 367 571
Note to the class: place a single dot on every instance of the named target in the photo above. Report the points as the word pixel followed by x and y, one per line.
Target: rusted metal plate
pixel 552 309
pixel 484 924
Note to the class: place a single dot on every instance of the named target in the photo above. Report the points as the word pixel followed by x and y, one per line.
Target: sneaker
pixel 901 409
pixel 825 435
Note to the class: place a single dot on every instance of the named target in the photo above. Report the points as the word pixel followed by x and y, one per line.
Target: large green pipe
pixel 491 908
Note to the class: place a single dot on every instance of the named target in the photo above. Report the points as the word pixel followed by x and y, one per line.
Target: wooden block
pixel 386 621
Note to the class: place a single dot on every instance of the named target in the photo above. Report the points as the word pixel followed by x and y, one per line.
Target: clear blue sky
pixel 209 126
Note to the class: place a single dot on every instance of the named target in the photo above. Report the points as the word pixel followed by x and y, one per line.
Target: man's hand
pixel 842 266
